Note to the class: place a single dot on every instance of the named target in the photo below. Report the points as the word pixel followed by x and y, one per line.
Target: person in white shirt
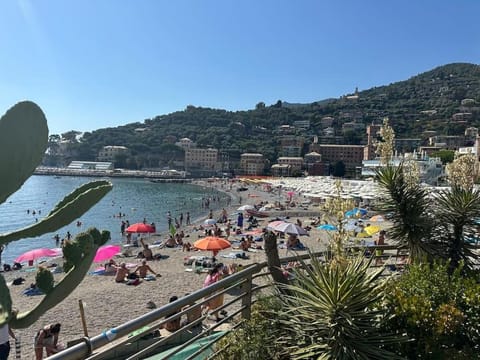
pixel 5 332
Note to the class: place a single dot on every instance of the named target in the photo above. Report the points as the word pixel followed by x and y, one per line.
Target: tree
pixel 446 156
pixel 338 169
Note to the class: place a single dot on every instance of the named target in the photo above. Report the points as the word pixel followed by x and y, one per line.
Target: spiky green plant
pixel 23 142
pixel 458 211
pixel 329 312
pixel 411 209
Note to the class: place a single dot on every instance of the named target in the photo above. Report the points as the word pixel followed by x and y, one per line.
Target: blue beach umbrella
pixel 356 212
pixel 328 227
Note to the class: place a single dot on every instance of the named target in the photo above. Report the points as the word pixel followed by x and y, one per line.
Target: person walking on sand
pixel 188 218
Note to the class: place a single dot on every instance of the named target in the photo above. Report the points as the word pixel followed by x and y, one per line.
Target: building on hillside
pixel 352 126
pixel 431 169
pixel 252 163
pixel 108 153
pixel 430 150
pixel 302 124
pixel 350 155
pixel 294 163
pixel 373 131
pixel 450 142
pixel 312 161
pixel 291 146
pixel 407 145
pixel 202 162
pixel 279 170
pixel 185 143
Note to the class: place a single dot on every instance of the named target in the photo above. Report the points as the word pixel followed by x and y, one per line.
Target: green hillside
pixel 437 93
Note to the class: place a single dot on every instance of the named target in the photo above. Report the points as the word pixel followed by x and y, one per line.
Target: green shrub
pixel 441 312
pixel 255 338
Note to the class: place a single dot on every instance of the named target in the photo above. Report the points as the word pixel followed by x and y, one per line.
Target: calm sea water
pixel 136 198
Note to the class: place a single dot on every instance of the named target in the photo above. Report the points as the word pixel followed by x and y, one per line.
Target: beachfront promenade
pixel 123 173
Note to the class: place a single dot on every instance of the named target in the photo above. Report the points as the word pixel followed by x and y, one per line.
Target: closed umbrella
pixel 106 252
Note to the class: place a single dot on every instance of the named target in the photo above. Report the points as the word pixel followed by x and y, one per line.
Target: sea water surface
pixel 136 198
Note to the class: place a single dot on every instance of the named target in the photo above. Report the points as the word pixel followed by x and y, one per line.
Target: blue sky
pixel 95 64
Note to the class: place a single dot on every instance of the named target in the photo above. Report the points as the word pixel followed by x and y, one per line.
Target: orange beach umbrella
pixel 212 243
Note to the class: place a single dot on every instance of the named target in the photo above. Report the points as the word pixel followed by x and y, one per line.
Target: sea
pixel 133 199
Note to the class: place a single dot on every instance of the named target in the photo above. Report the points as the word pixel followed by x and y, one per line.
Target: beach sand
pixel 109 304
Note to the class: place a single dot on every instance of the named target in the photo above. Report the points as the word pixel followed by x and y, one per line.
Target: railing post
pixel 247 297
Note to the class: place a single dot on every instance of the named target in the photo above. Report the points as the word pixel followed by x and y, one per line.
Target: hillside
pixel 424 102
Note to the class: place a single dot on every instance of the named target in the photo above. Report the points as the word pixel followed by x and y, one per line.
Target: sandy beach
pixel 109 304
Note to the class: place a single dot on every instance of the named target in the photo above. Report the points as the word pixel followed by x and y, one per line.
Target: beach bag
pixel 18 281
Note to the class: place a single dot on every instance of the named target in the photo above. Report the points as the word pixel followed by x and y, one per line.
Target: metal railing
pixel 110 342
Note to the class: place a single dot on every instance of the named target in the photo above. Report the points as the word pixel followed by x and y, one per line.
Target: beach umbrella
pixel 34 254
pixel 106 252
pixel 328 227
pixel 212 243
pixel 264 208
pixel 291 229
pixel 372 229
pixel 140 228
pixel 356 212
pixel 209 222
pixel 246 207
pixel 377 218
pixel 273 224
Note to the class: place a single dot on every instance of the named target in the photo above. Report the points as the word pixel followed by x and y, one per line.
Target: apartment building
pixel 252 163
pixel 201 159
pixel 108 153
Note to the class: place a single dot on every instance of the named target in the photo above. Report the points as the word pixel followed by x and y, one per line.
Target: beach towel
pixel 149 277
pixel 32 291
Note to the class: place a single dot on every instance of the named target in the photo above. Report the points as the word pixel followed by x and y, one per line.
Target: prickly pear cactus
pixel 23 142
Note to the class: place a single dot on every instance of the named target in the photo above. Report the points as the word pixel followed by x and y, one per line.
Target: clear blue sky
pixel 94 64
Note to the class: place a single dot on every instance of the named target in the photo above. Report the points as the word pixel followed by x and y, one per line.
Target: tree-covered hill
pixel 424 102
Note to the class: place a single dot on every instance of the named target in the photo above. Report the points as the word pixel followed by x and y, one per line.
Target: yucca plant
pixel 458 210
pixel 329 312
pixel 411 211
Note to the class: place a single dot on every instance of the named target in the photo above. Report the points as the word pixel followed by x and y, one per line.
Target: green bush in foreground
pixel 440 312
pixel 329 312
pixel 255 338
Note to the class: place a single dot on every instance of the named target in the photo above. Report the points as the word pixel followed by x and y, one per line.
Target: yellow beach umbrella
pixel 372 229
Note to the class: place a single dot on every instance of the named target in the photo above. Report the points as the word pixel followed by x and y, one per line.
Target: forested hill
pixel 424 102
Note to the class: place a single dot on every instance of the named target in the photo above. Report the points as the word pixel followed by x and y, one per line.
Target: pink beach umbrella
pixel 34 254
pixel 106 252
